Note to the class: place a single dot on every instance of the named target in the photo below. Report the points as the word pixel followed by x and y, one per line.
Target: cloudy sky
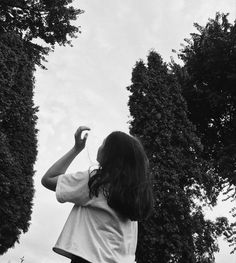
pixel 86 85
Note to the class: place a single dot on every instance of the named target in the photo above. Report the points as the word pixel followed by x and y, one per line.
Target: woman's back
pixel 93 230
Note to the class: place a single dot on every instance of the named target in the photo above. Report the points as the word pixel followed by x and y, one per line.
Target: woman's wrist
pixel 77 149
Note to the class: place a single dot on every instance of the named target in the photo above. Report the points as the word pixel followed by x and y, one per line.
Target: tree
pixel 209 88
pixel 18 144
pixel 22 22
pixel 208 78
pixel 177 230
pixel 49 21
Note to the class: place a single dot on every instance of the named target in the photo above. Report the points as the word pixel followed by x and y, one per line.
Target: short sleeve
pixel 73 188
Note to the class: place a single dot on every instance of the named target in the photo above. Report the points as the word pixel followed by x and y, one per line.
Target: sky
pixel 86 85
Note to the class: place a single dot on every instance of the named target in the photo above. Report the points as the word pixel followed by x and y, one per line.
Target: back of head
pixel 123 176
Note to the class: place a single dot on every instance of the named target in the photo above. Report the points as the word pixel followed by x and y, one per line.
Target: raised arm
pixel 49 180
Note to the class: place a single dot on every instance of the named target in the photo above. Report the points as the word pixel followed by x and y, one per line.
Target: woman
pixel 108 202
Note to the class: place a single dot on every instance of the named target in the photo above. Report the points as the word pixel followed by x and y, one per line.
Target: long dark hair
pixel 123 176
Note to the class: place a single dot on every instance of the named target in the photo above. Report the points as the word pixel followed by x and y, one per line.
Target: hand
pixel 80 142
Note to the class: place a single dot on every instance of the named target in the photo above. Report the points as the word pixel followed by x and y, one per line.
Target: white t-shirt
pixel 93 230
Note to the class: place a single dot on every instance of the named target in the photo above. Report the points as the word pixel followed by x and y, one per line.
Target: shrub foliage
pixel 18 142
pixel 183 184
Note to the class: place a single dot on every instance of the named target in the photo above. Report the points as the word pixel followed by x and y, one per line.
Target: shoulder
pixel 73 187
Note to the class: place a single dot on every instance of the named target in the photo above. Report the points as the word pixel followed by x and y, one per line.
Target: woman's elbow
pixel 49 183
pixel 44 182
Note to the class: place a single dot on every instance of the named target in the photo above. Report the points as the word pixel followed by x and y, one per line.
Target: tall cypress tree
pixel 177 231
pixel 17 139
pixel 21 22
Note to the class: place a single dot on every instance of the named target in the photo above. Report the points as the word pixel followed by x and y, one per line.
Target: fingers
pixel 84 128
pixel 85 137
pixel 79 140
pixel 81 129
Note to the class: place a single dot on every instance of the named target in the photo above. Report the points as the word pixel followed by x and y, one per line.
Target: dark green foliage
pixel 47 20
pixel 208 78
pixel 10 191
pixel 177 231
pixel 22 23
pixel 18 142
